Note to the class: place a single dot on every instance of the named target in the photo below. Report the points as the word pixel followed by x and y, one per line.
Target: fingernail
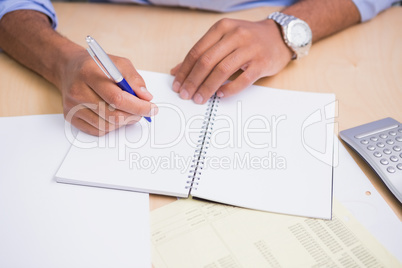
pixel 154 110
pixel 145 90
pixel 184 94
pixel 198 98
pixel 219 94
pixel 176 86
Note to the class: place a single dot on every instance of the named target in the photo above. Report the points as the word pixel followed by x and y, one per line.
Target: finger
pixel 109 92
pixel 90 99
pixel 86 127
pixel 216 59
pixel 134 79
pixel 176 85
pixel 244 80
pixel 109 113
pixel 103 126
pixel 213 35
pixel 88 114
pixel 174 70
pixel 88 121
pixel 219 75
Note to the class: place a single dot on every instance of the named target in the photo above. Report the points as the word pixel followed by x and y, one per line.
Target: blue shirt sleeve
pixel 44 6
pixel 370 8
pixel 367 8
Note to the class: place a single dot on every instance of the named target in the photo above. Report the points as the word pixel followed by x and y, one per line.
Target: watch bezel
pixel 288 34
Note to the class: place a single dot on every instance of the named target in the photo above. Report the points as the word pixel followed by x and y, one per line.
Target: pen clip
pixel 95 58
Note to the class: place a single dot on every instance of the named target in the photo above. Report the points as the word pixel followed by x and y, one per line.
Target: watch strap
pixel 281 18
pixel 284 20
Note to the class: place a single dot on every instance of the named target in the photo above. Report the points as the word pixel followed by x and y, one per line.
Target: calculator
pixel 379 143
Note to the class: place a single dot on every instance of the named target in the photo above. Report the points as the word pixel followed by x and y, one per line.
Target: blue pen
pixel 108 67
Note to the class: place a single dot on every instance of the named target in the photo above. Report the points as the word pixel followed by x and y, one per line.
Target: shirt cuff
pixel 43 6
pixel 370 8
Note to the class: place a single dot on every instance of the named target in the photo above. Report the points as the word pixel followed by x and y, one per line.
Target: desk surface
pixel 362 65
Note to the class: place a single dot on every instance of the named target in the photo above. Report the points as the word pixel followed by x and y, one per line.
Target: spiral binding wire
pixel 203 144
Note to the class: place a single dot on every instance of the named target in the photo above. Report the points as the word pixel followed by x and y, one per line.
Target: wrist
pixel 274 30
pixel 65 57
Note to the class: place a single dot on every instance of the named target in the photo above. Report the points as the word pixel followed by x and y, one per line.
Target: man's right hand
pixel 94 103
pixel 91 101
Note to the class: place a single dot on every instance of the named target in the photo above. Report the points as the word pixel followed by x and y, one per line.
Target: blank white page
pixel 271 150
pixel 145 157
pixel 48 224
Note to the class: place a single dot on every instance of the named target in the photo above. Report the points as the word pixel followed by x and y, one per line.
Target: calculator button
pixel 383 136
pixel 381 145
pixel 387 151
pixel 391 169
pixel 392 133
pixel 394 158
pixel 399 166
pixel 371 147
pixel 374 139
pixel 399 138
pixel 377 154
pixel 397 148
pixel 384 161
pixel 365 142
pixel 400 130
pixel 390 142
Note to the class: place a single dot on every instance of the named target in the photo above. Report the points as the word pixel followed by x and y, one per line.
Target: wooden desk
pixel 362 65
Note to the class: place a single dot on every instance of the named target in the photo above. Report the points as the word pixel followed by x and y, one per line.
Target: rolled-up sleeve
pixel 44 6
pixel 370 8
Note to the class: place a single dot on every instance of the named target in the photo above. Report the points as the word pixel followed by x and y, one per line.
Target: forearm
pixel 27 36
pixel 325 17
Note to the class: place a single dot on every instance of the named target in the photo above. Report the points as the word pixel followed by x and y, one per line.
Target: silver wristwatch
pixel 296 33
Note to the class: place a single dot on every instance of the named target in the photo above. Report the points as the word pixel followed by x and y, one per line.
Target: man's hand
pixel 91 101
pixel 257 48
pixel 94 103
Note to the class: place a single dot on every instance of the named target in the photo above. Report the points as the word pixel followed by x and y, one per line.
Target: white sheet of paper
pixel 279 145
pixel 47 224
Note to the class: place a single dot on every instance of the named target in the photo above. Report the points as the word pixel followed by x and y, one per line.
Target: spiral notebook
pixel 265 149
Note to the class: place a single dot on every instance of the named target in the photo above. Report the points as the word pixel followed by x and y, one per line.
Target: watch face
pixel 299 33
